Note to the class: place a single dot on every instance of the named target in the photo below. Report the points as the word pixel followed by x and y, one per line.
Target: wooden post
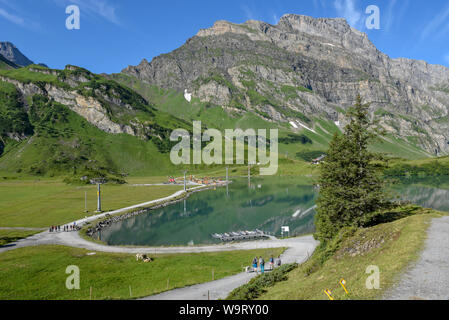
pixel 168 283
pixel 130 292
pixel 90 293
pixel 213 275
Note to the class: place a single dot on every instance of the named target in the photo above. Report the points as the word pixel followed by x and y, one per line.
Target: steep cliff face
pixel 72 121
pixel 307 68
pixel 110 107
pixel 87 107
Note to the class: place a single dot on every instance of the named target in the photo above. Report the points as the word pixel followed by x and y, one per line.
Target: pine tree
pixel 351 189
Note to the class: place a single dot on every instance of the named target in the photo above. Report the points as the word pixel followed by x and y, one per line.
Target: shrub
pixel 256 286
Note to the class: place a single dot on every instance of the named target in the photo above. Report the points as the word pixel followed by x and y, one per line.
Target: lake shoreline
pixel 167 201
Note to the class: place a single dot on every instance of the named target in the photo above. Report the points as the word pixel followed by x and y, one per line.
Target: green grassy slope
pixel 38 273
pixel 41 137
pixel 49 139
pixel 389 246
pixel 65 143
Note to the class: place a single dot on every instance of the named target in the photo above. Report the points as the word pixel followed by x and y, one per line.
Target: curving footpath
pixel 298 250
pixel 428 279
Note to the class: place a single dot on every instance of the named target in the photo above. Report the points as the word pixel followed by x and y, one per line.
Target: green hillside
pixel 42 137
pixel 215 116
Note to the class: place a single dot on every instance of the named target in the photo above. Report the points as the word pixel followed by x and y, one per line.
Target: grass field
pixel 8 236
pixel 39 272
pixel 42 203
pixel 391 247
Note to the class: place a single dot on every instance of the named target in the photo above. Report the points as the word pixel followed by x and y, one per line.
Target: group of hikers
pixel 72 227
pixel 259 264
pixel 171 180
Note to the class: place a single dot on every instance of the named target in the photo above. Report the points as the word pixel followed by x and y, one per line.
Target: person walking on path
pixel 262 265
pixel 255 264
pixel 271 263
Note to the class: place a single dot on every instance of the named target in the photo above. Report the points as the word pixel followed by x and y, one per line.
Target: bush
pixel 256 287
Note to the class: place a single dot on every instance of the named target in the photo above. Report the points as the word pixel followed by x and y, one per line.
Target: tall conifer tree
pixel 350 186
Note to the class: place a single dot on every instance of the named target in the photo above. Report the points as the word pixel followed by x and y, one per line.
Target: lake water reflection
pixel 268 204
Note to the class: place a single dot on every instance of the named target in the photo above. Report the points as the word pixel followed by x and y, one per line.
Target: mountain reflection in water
pixel 267 205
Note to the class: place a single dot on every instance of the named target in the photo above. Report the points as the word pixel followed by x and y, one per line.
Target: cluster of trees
pixel 13 117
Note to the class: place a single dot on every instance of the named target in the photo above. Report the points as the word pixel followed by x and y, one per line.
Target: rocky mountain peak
pixel 312 25
pixel 10 52
pixel 303 67
pixel 335 31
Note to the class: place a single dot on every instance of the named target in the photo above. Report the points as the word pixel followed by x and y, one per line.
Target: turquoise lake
pixel 266 204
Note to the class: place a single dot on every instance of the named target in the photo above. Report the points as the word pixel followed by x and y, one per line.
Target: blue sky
pixel 118 33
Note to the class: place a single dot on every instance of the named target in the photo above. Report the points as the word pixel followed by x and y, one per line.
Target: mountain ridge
pixel 6 64
pixel 262 68
pixel 253 75
pixel 13 54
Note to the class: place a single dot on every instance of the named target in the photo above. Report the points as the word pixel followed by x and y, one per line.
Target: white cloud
pixel 346 9
pixel 12 18
pixel 22 20
pixel 390 16
pixel 439 22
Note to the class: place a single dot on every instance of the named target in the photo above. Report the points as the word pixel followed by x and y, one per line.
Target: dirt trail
pixel 300 251
pixel 428 279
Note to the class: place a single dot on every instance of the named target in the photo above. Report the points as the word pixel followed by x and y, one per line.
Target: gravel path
pixel 428 279
pixel 23 229
pixel 72 238
pixel 300 250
